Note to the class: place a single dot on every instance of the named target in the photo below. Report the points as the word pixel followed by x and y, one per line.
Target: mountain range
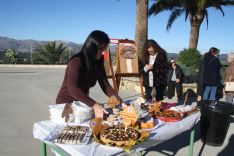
pixel 26 46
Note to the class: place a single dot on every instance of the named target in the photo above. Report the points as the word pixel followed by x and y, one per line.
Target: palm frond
pixel 163 5
pixel 50 53
pixel 186 15
pixel 58 52
pixel 207 19
pixel 61 48
pixel 214 3
pixel 227 2
pixel 40 59
pixel 175 13
pixel 220 9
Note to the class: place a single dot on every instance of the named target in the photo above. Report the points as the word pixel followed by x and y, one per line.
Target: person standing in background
pixel 229 77
pixel 175 80
pixel 154 68
pixel 211 74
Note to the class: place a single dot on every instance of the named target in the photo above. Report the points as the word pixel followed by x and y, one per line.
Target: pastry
pixel 154 107
pixel 72 135
pixel 118 136
pixel 129 113
pixel 147 124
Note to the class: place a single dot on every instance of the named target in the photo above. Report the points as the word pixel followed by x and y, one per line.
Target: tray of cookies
pixel 70 134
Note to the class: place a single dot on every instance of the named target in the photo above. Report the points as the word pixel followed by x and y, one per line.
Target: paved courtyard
pixel 25 94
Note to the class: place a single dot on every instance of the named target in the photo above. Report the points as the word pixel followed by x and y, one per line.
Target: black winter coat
pixel 179 74
pixel 211 71
pixel 159 73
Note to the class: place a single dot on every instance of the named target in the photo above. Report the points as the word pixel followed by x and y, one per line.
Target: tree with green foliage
pixel 50 53
pixel 190 58
pixel 196 10
pixel 64 57
pixel 10 56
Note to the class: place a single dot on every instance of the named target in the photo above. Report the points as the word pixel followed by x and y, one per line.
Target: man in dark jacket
pixel 211 74
pixel 175 80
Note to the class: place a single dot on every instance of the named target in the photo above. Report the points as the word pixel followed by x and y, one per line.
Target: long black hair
pixel 161 65
pixel 161 53
pixel 96 41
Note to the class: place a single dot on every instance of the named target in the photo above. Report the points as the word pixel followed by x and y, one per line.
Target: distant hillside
pixel 24 46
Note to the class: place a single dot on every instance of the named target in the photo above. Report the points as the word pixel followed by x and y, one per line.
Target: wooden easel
pixel 127 62
pixel 109 68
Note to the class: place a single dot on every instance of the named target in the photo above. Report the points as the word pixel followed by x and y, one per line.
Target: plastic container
pixel 215 121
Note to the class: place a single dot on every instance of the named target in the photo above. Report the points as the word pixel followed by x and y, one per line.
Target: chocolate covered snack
pixel 72 135
pixel 118 136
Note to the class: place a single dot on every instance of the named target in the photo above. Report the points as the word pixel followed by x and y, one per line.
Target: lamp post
pixel 31 54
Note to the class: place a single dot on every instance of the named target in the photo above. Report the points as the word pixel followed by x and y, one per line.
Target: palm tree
pixel 10 56
pixel 50 53
pixel 141 33
pixel 196 10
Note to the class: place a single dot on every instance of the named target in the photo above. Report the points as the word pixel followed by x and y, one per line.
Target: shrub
pixel 190 60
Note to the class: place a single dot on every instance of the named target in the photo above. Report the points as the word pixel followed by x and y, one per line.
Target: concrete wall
pixel 32 66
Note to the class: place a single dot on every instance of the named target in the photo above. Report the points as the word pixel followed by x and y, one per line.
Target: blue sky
pixel 73 20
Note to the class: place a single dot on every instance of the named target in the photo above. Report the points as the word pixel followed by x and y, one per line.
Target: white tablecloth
pixel 42 129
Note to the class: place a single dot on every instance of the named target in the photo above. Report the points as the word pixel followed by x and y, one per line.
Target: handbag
pixel 229 86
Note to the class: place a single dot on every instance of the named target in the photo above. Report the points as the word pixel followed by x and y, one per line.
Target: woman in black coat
pixel 154 68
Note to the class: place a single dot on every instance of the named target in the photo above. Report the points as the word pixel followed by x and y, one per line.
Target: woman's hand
pixel 177 80
pixel 99 110
pixel 149 66
pixel 199 98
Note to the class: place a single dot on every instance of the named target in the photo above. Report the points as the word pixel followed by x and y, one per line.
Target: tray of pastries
pixel 70 134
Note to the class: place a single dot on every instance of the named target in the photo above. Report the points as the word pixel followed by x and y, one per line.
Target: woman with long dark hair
pixel 154 67
pixel 84 70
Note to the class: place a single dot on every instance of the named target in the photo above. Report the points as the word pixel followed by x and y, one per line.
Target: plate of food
pixel 167 115
pixel 70 134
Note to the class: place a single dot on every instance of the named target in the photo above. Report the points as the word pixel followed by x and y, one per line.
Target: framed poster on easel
pixel 127 62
